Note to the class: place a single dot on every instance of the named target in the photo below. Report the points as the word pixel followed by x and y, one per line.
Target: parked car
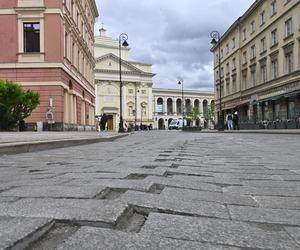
pixel 177 124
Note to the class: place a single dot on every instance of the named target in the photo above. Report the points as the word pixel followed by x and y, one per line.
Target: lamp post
pixel 215 35
pixel 135 104
pixel 122 42
pixel 180 82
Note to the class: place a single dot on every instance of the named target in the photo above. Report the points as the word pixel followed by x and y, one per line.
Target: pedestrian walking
pixel 236 121
pixel 103 122
pixel 229 120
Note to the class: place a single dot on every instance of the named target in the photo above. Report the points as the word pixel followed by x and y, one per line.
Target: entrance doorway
pixel 161 123
pixel 110 123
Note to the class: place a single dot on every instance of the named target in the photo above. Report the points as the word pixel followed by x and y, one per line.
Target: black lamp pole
pixel 122 39
pixel 215 35
pixel 182 108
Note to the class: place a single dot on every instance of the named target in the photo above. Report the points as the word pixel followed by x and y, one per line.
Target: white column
pixel 165 107
pixel 124 101
pixel 150 108
pixel 201 107
pixel 174 106
pixel 66 102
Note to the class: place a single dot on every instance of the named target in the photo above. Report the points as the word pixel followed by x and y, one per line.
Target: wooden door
pixel 110 123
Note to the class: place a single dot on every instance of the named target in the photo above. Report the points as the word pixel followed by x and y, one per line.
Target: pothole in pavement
pixel 132 220
pixel 111 193
pixel 135 176
pixel 55 236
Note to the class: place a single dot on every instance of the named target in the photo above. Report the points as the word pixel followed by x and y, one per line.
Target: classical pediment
pixel 111 63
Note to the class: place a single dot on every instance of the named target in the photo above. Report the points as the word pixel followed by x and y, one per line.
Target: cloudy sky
pixel 173 35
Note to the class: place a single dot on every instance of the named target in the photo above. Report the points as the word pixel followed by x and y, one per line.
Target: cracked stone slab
pixel 94 175
pixel 98 238
pixel 265 215
pixel 264 191
pixel 79 210
pixel 195 195
pixel 218 231
pixel 167 203
pixel 279 202
pixel 184 183
pixel 141 185
pixel 18 231
pixel 54 191
pixel 294 232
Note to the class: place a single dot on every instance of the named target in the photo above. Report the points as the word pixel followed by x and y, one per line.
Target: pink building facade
pixel 48 46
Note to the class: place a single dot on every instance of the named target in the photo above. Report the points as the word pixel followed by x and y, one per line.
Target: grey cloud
pixel 173 35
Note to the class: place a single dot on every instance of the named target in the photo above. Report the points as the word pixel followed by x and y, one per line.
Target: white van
pixel 177 124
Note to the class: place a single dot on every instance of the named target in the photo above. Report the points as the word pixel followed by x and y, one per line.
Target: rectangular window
pixel 227 68
pixel 262 18
pixel 274 37
pixel 274 65
pixel 31 37
pixel 221 54
pixel 263 73
pixel 227 48
pixel 233 43
pixel 252 27
pixel 253 77
pixel 244 35
pixel 289 27
pixel 289 62
pixel 245 57
pixel 263 45
pixel 273 7
pixel 233 63
pixel 253 52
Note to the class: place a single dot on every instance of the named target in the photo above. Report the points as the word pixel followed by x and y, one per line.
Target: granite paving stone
pixel 165 202
pixel 15 229
pixel 57 191
pixel 98 238
pixel 195 195
pixel 79 210
pixel 279 202
pixel 265 215
pixel 232 233
pixel 294 232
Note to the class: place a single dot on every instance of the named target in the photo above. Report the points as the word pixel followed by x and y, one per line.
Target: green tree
pixel 210 113
pixel 193 113
pixel 15 104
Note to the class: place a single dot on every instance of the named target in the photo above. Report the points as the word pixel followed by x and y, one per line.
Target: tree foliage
pixel 15 104
pixel 193 113
pixel 210 113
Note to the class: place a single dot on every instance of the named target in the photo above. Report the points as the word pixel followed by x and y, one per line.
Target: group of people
pixel 232 121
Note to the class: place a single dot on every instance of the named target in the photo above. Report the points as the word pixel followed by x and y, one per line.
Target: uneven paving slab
pixel 279 202
pixel 94 175
pixel 265 215
pixel 195 195
pixel 19 232
pixel 264 191
pixel 97 238
pixel 216 231
pixel 294 232
pixel 54 191
pixel 83 211
pixel 141 185
pixel 174 181
pixel 165 203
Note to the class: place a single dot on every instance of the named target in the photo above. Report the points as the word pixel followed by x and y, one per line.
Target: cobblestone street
pixel 155 190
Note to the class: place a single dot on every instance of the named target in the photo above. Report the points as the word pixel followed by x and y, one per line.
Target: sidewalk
pixel 254 131
pixel 21 142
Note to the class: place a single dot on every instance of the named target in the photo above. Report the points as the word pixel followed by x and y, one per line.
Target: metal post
pixel 123 37
pixel 215 35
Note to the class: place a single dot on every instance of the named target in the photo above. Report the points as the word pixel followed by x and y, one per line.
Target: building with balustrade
pixel 260 66
pixel 141 104
pixel 168 105
pixel 48 46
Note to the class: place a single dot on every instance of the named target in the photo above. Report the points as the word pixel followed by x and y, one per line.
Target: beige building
pixel 167 105
pixel 260 65
pixel 136 79
pixel 141 104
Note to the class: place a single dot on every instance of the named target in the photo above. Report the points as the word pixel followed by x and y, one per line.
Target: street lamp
pixel 122 42
pixel 215 35
pixel 180 82
pixel 135 104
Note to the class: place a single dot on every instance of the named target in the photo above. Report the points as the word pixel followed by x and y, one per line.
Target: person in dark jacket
pixel 236 121
pixel 103 122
